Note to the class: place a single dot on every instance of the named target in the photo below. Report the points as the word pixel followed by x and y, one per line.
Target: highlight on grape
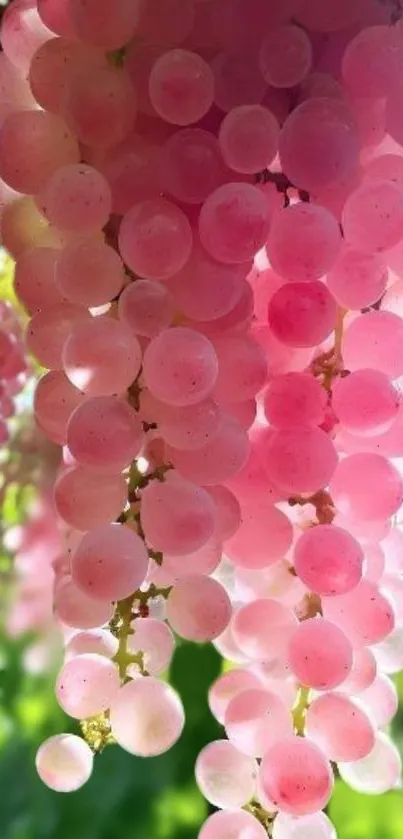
pixel 204 202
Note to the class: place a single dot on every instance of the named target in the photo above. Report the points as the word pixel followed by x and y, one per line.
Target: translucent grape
pixel 56 15
pixel 227 686
pixel 300 459
pixel 155 239
pixel 294 398
pixel 198 608
pixel 90 368
pixel 353 482
pixel 249 138
pixel 263 537
pixel 217 461
pixel 97 23
pixel 99 641
pixel 320 654
pixel 340 727
pixel 362 674
pixel 166 22
pixel 88 272
pixel 177 516
pixel 188 427
pixel 193 166
pixel 225 776
pixel 146 307
pixel 376 773
pixel 296 776
pixel 51 68
pixel 74 608
pixel 154 639
pixel 255 719
pixel 373 216
pixel 85 502
pixel 180 366
pixel 365 614
pixel 372 61
pixel 110 562
pixel 319 144
pixel 99 106
pixel 48 330
pixel 147 717
pixel 302 314
pixel 285 56
pixel 77 198
pixel 34 145
pixel 181 87
pixel 365 402
pixel 238 81
pixel 238 25
pixel 316 826
pixel 104 433
pixel 64 762
pixel 316 240
pixel 34 279
pixel 263 628
pixel 373 341
pixel 234 222
pixel 242 368
pixel 381 700
pixel 328 560
pixel 54 401
pixel 357 279
pixel 86 685
pixel 228 511
pixel 22 32
pixel 205 289
pixel 232 824
pixel 203 561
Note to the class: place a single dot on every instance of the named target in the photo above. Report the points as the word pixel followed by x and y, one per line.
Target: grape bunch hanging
pixel 204 201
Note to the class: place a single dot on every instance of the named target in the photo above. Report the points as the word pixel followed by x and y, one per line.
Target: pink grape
pixel 154 639
pixel 146 307
pixel 335 15
pixel 180 366
pixel 255 719
pixel 177 516
pixel 86 685
pixel 296 776
pixel 263 537
pixel 228 511
pixel 225 776
pixel 373 341
pixel 328 560
pixel 234 222
pixel 51 68
pixel 88 272
pixel 227 686
pixel 316 826
pixel 340 726
pixel 34 145
pixel 203 561
pixel 166 22
pixel 365 614
pixel 85 502
pixel 294 398
pixel 96 23
pixel 302 314
pixel 90 368
pixel 381 700
pixel 54 401
pixel 147 717
pixel 181 87
pixel 34 279
pixel 198 608
pixel 238 81
pixel 64 762
pixel 99 106
pixel 365 402
pixel 263 628
pixel 99 641
pixel 243 412
pixel 376 773
pixel 251 483
pixel 56 15
pixel 372 61
pixel 363 672
pixel 237 319
pixel 205 289
pixel 320 654
pixel 110 562
pixel 217 461
pixel 193 166
pixel 319 144
pixel 357 279
pixel 300 459
pixel 248 138
pixel 239 26
pixel 353 482
pixel 285 56
pixel 155 239
pixel 74 608
pixel 77 198
pixel 22 32
pixel 316 240
pixel 188 427
pixel 373 216
pixel 232 824
pixel 104 433
pixel 242 368
pixel 49 328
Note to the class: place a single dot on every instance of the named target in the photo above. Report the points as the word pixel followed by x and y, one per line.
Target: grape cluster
pixel 205 204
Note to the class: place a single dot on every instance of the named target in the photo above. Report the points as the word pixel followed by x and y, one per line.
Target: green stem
pixel 299 712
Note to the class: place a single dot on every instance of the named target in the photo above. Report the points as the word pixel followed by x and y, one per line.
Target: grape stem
pixel 282 184
pixel 321 500
pixel 300 709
